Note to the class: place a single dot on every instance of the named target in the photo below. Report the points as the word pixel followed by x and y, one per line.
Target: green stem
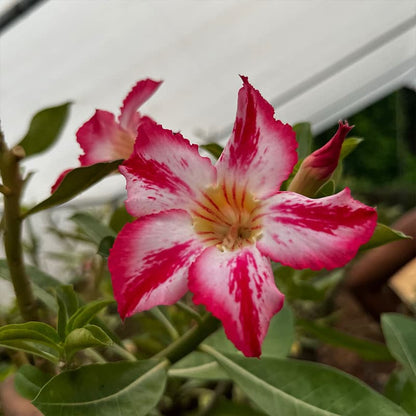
pixel 189 341
pixel 160 316
pixel 10 172
pixel 123 352
pixel 191 312
pixel 94 356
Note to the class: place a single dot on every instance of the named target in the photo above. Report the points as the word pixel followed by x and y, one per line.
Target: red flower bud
pixel 318 167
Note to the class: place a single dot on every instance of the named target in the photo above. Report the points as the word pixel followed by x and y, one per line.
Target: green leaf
pixel 35 348
pixel 37 331
pixel 402 391
pixel 32 337
pixel 75 182
pixel 383 235
pixel 303 388
pixel 400 334
pixel 120 218
pixel 369 350
pixel 68 304
pixel 92 227
pixel 105 245
pixel 29 380
pixel 349 146
pixel 327 189
pixel 304 138
pixel 305 284
pixel 113 389
pixel 6 370
pixel 44 129
pixel 214 148
pixel 277 343
pixel 89 336
pixel 86 313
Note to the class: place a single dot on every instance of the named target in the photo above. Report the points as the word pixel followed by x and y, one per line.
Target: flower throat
pixel 227 217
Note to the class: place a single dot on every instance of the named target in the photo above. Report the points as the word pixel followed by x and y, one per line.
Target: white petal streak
pixel 165 171
pixel 238 288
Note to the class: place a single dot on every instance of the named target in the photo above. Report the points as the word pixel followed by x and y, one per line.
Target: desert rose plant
pixel 203 246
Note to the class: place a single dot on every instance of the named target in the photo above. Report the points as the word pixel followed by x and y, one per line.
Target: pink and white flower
pixel 213 229
pixel 103 138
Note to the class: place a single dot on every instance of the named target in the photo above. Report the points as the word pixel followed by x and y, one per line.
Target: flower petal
pixel 150 259
pixel 164 172
pixel 102 139
pixel 140 93
pixel 261 151
pixel 315 233
pixel 238 288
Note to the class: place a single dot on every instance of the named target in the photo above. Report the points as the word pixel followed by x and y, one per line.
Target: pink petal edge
pixel 261 151
pixel 137 96
pixel 149 261
pixel 238 288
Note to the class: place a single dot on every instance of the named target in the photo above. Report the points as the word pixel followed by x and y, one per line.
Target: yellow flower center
pixel 227 217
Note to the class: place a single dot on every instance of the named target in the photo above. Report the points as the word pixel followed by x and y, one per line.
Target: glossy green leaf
pixel 29 380
pixel 89 336
pixel 383 235
pixel 33 337
pixel 74 183
pixel 400 334
pixel 105 246
pixel 86 313
pixel 214 148
pixel 303 388
pixel 304 138
pixel 35 348
pixel 44 129
pixel 401 390
pixel 120 218
pixel 68 304
pixel 113 389
pixel 369 350
pixel 92 227
pixel 38 331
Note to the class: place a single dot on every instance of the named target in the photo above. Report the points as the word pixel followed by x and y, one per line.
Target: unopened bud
pixel 318 167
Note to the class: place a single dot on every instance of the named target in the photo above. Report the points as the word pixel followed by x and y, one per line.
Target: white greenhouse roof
pixel 316 61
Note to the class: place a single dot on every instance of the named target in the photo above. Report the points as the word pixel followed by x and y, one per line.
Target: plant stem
pixel 123 352
pixel 12 180
pixel 190 340
pixel 160 316
pixel 191 312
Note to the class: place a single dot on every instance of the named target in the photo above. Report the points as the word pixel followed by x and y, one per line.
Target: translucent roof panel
pixel 316 61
